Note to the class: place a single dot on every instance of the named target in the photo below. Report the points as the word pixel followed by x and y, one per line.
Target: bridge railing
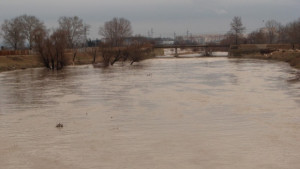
pixel 191 46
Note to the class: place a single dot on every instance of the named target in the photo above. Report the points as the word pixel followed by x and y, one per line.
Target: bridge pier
pixel 207 52
pixel 207 48
pixel 176 53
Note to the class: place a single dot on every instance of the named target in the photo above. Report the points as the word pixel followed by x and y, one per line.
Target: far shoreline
pixel 19 62
pixel 278 52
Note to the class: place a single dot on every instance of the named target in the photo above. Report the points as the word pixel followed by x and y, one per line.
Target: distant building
pixel 202 39
pixel 164 41
pixel 93 43
pixel 135 40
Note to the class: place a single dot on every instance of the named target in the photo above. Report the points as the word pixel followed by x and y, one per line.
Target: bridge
pixel 208 49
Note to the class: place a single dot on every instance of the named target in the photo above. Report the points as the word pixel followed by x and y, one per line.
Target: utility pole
pixel 187 34
pixel 152 32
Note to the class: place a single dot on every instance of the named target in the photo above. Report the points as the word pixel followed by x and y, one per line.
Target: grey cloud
pixel 165 16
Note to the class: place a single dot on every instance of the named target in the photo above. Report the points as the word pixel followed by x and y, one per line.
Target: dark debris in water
pixel 295 79
pixel 59 125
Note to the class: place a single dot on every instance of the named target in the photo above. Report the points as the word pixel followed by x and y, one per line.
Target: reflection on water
pixel 162 113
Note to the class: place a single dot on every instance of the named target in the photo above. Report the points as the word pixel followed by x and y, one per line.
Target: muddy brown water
pixel 207 113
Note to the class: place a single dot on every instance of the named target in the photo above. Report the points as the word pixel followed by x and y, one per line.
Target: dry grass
pixel 82 58
pixel 281 53
pixel 290 56
pixel 14 62
pixel 19 62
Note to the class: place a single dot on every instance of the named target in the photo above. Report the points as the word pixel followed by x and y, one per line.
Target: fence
pixel 32 52
pixel 14 52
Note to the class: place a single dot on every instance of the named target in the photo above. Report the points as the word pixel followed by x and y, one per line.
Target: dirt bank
pixel 287 53
pixel 14 62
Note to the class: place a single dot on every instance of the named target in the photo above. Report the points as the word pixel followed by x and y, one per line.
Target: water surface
pixel 194 113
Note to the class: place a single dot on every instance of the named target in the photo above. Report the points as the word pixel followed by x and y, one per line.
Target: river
pixel 193 113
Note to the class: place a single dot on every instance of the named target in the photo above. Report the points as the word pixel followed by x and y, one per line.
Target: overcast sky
pixel 164 16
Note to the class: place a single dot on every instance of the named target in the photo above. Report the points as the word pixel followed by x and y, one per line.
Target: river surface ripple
pixel 195 113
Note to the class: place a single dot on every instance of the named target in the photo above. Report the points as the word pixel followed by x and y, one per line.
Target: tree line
pixel 115 48
pixel 50 44
pixel 272 33
pixel 29 32
pixel 72 34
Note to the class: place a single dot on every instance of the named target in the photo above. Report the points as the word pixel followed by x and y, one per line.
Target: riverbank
pixel 273 52
pixel 284 53
pixel 290 56
pixel 15 62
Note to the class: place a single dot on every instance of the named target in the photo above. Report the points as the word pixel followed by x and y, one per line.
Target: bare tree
pixel 229 39
pixel 293 31
pixel 59 41
pixel 86 29
pixel 237 28
pixel 257 37
pixel 138 51
pixel 51 48
pixel 76 32
pixel 282 36
pixel 272 28
pixel 40 44
pixel 116 30
pixel 12 33
pixel 107 53
pixel 29 24
pixel 93 52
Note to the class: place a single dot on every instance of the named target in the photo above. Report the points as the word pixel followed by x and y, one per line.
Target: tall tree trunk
pixel 53 64
pixel 236 38
pixel 117 57
pixel 94 56
pixel 57 61
pixel 74 55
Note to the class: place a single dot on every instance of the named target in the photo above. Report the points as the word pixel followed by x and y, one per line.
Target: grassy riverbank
pixel 283 53
pixel 14 62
